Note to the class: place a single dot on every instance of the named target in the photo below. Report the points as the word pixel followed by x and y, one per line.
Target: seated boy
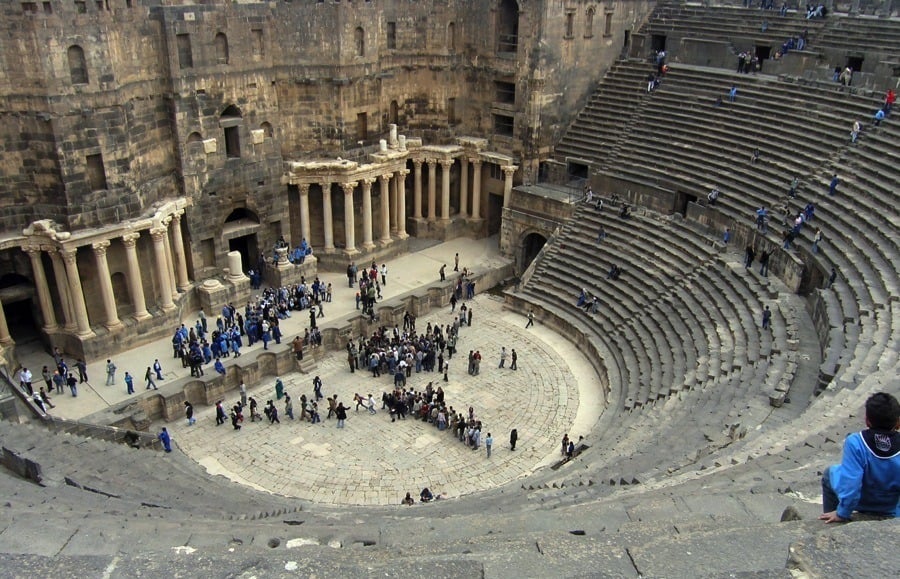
pixel 868 478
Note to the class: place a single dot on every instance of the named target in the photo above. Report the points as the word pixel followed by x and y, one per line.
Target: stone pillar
pixel 349 222
pixel 158 235
pixel 327 219
pixel 417 188
pixel 5 338
pixel 508 172
pixel 170 265
pixel 367 213
pixel 135 284
pixel 304 212
pixel 235 267
pixel 476 188
pixel 385 209
pixel 432 184
pixel 401 203
pixel 81 317
pixel 393 205
pixel 445 189
pixel 463 187
pixel 106 288
pixel 62 286
pixel 180 262
pixel 43 291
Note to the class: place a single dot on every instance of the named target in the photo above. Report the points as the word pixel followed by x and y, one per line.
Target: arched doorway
pixel 531 246
pixel 22 319
pixel 240 229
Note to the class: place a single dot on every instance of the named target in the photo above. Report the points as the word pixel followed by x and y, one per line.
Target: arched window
pixel 359 36
pixel 589 23
pixel 77 65
pixel 230 121
pixel 508 26
pixel 221 43
pixel 267 129
pixel 194 138
pixel 451 37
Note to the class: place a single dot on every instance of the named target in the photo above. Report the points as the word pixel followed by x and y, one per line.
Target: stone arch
pixel 78 71
pixel 508 26
pixel 359 39
pixel 242 213
pixel 589 22
pixel 530 246
pixel 267 129
pixel 194 137
pixel 221 44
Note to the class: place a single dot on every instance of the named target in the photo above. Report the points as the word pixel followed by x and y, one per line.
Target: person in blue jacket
pixel 868 478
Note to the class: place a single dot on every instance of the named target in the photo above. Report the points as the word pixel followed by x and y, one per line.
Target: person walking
pixel 816 240
pixel 441 271
pixel 514 358
pixel 456 262
pixel 503 356
pixel 341 414
pixel 488 443
pixel 157 368
pixel 82 370
pixel 129 383
pixel 148 376
pixel 766 318
pixel 189 413
pixel 832 187
pixel 110 373
pixel 72 381
pixel 513 437
pixel 530 319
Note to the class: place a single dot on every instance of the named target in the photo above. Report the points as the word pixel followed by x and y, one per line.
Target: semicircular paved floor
pixel 374 462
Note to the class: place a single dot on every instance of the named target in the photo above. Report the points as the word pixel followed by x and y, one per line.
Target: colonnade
pixel 169 265
pixel 431 204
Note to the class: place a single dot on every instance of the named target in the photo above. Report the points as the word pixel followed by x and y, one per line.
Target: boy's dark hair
pixel 882 411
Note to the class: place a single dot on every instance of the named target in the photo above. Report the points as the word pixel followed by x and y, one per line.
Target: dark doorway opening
pixel 855 63
pixel 658 42
pixel 531 246
pixel 577 171
pixel 763 52
pixel 495 213
pixel 246 246
pixel 22 317
pixel 508 26
pixel 681 202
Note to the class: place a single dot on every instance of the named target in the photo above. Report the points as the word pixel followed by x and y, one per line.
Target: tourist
pixel 129 383
pixel 165 439
pixel 189 413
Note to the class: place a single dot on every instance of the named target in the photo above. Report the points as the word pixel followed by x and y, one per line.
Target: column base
pixel 185 287
pixel 402 235
pixel 385 242
pixel 168 308
pixel 141 316
pixel 118 325
pixel 368 246
pixel 86 335
pixel 352 252
pixel 328 250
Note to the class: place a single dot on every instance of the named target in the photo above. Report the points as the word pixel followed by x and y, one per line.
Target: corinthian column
pixel 180 261
pixel 40 284
pixel 385 209
pixel 367 213
pixel 304 212
pixel 81 317
pixel 417 188
pixel 463 187
pixel 432 193
pixel 106 288
pixel 5 338
pixel 158 235
pixel 349 222
pixel 62 287
pixel 445 189
pixel 476 188
pixel 327 219
pixel 401 204
pixel 135 284
pixel 508 172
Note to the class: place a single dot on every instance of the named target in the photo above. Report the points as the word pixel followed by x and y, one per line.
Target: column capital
pixel 100 247
pixel 349 187
pixel 130 239
pixel 157 233
pixel 446 163
pixel 431 162
pixel 475 161
pixel 68 254
pixel 32 250
pixel 326 186
pixel 385 178
pixel 368 181
pixel 176 217
pixel 303 188
pixel 509 169
pixel 417 163
pixel 403 172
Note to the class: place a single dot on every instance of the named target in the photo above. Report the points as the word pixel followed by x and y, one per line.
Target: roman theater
pixel 681 217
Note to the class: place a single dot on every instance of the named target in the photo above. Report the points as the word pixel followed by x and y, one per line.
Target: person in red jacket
pixel 889 99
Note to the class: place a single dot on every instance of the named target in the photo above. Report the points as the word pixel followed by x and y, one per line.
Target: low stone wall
pixel 24 467
pixel 167 403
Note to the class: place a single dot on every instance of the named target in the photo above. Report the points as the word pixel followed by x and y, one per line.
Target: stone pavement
pixel 374 461
pixel 410 272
